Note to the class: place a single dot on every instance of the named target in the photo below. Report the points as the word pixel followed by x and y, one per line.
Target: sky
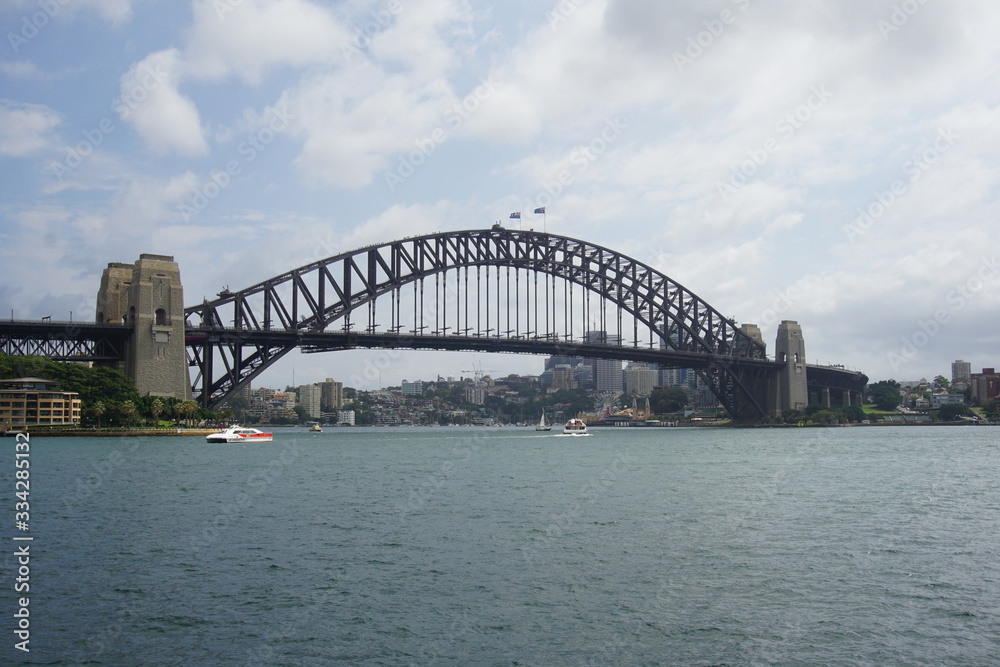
pixel 833 162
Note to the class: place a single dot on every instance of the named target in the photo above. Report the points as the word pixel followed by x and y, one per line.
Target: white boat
pixel 239 434
pixel 575 427
pixel 315 429
pixel 542 426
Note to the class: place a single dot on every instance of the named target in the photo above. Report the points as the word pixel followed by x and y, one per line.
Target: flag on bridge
pixel 540 211
pixel 516 215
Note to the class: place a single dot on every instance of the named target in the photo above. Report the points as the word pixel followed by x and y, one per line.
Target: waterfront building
pixel 937 400
pixel 985 385
pixel 27 402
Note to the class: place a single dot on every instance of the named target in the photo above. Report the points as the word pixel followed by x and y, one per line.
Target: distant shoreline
pixel 112 433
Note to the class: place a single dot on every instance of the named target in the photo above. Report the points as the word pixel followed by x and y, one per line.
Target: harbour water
pixel 449 546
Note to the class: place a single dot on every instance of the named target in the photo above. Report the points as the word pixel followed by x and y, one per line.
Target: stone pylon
pixel 149 296
pixel 792 388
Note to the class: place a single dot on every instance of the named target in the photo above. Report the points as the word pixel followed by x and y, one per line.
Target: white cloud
pixel 152 103
pixel 26 128
pixel 21 69
pixel 255 36
pixel 115 12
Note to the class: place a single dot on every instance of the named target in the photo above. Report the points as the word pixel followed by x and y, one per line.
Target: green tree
pixel 185 409
pixel 665 400
pixel 128 411
pixel 98 409
pixel 855 414
pixel 156 409
pixel 885 394
pixel 950 412
pixel 827 417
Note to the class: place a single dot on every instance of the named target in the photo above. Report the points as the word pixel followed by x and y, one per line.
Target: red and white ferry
pixel 239 434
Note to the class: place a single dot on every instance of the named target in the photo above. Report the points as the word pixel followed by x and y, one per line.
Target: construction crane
pixel 478 373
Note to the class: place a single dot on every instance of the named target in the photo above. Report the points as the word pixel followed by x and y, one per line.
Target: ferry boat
pixel 315 429
pixel 237 433
pixel 575 427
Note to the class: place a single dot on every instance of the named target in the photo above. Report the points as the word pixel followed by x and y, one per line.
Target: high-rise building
pixel 310 398
pixel 640 380
pixel 563 378
pixel 333 395
pixel 674 377
pixel 412 388
pixel 475 395
pixel 607 372
pixel 961 371
pixel 556 360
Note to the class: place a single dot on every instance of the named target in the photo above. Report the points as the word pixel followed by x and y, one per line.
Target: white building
pixel 413 388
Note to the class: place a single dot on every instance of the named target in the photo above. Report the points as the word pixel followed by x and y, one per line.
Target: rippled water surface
pixel 856 546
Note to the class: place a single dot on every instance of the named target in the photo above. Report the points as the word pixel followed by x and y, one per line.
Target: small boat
pixel 239 434
pixel 575 427
pixel 315 429
pixel 542 426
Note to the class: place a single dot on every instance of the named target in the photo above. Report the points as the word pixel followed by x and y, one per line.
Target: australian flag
pixel 516 216
pixel 540 211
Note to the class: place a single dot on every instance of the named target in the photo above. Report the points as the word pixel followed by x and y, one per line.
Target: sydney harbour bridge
pixel 486 290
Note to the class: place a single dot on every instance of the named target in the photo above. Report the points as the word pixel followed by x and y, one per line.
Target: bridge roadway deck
pixel 324 341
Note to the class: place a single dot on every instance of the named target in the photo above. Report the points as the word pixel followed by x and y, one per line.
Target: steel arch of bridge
pixel 235 337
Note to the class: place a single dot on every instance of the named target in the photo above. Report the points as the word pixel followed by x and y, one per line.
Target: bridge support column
pixel 152 301
pixel 825 398
pixel 847 398
pixel 792 390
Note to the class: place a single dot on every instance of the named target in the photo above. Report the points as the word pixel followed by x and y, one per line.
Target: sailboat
pixel 542 426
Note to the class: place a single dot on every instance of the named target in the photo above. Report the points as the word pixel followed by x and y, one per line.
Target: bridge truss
pixel 65 341
pixel 497 290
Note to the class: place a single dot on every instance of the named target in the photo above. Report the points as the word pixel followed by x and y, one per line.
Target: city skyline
pixel 836 166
